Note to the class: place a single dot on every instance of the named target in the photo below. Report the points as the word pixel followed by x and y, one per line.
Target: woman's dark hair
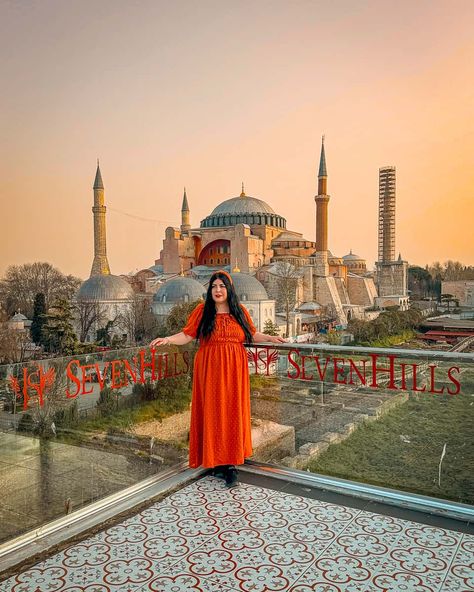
pixel 208 320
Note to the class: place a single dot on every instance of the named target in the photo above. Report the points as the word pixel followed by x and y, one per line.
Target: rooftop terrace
pixel 362 477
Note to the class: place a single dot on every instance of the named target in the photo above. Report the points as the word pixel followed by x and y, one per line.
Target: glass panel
pixel 401 419
pixel 73 430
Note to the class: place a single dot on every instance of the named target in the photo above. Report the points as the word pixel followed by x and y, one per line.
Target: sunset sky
pixel 212 93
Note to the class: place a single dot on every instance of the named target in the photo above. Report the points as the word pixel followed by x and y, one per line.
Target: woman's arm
pixel 262 338
pixel 176 339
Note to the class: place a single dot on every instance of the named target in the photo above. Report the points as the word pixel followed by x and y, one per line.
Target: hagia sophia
pixel 245 236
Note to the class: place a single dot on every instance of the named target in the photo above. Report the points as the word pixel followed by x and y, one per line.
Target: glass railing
pixel 400 419
pixel 75 430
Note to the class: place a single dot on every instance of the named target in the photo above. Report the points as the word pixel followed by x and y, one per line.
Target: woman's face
pixel 219 291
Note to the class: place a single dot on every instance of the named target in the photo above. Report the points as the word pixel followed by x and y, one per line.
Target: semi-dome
pixel 180 289
pixel 248 287
pixel 105 288
pixel 243 210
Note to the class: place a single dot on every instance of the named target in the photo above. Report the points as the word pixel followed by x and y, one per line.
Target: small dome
pixel 180 289
pixel 156 269
pixel 105 288
pixel 352 257
pixel 18 318
pixel 248 287
pixel 309 306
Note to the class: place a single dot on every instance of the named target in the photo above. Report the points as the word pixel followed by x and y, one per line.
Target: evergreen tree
pixel 269 328
pixel 39 318
pixel 58 331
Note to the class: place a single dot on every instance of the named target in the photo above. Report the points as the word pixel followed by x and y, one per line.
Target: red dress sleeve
pixel 252 328
pixel 193 321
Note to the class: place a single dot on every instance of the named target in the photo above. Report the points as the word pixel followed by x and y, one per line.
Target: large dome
pixel 105 288
pixel 248 287
pixel 243 210
pixel 242 205
pixel 180 289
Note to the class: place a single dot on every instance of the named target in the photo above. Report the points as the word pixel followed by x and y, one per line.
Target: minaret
pixel 185 225
pixel 322 200
pixel 100 265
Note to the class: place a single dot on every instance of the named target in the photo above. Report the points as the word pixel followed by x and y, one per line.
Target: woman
pixel 220 434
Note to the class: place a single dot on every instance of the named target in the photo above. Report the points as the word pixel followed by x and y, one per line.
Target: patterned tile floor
pixel 206 538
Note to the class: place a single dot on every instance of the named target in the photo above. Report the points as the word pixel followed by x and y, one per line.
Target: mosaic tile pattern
pixel 206 538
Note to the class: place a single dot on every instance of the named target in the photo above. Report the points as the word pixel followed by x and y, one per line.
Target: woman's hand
pixel 264 338
pixel 160 341
pixel 176 339
pixel 277 339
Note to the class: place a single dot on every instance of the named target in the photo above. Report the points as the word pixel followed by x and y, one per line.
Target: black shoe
pixel 231 476
pixel 220 471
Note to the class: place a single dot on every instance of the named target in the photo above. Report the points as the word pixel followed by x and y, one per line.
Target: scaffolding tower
pixel 387 214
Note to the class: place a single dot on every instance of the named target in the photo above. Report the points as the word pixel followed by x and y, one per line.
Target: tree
pixel 450 271
pixel 42 418
pixel 22 282
pixel 89 315
pixel 178 316
pixel 104 336
pixel 139 321
pixel 386 324
pixel 286 286
pixel 329 312
pixel 58 331
pixel 421 283
pixel 39 319
pixel 270 328
pixel 14 344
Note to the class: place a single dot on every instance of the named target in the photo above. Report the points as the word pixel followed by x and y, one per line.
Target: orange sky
pixel 213 93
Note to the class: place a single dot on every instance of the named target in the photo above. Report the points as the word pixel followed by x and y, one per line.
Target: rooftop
pixel 264 535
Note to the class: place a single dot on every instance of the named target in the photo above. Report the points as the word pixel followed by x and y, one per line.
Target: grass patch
pixel 123 419
pixel 260 381
pixel 376 454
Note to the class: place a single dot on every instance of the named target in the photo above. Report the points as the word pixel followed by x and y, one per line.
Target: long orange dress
pixel 220 431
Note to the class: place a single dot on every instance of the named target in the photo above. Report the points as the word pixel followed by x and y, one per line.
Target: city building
pixel 461 290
